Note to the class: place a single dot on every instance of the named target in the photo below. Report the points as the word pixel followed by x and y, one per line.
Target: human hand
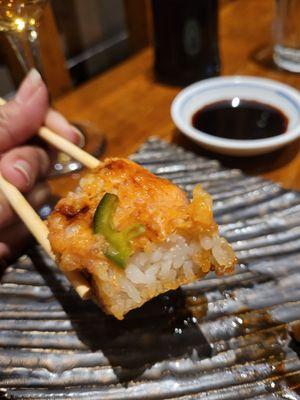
pixel 23 164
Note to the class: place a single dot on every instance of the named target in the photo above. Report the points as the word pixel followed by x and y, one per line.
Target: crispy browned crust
pixel 160 206
pixel 144 198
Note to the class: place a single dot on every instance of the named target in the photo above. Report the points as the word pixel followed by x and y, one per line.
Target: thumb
pixel 21 117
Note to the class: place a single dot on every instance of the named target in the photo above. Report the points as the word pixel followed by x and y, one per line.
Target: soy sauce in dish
pixel 240 119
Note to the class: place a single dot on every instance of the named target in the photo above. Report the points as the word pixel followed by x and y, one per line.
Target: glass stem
pixel 18 41
pixel 26 47
pixel 34 44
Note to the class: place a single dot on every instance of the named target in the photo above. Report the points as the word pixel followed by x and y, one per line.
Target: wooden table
pixel 128 105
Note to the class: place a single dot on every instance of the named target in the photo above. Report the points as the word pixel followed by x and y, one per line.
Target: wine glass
pixel 19 20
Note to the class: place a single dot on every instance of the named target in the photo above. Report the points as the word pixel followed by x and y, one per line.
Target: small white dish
pixel 200 94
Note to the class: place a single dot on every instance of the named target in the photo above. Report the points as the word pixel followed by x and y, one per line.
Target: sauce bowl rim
pixel 235 146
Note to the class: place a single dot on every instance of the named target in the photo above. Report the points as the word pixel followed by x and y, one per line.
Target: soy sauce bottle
pixel 185 40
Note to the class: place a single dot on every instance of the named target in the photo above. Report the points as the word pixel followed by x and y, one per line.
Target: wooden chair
pixel 56 74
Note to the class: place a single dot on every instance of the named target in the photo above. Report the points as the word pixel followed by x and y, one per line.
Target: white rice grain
pixel 222 252
pixel 156 256
pixel 148 273
pixel 188 270
pixel 135 275
pixel 165 268
pixel 206 242
pixel 130 290
pixel 151 273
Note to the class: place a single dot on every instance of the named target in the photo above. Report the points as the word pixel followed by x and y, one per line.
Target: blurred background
pixel 93 36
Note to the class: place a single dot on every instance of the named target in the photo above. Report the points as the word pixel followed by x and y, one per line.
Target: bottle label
pixel 191 37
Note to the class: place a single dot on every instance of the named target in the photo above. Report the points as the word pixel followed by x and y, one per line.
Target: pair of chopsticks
pixel 31 219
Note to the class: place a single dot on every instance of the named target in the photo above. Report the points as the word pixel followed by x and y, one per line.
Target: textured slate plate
pixel 219 338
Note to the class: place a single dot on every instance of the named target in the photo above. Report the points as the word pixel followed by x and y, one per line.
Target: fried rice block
pixel 178 242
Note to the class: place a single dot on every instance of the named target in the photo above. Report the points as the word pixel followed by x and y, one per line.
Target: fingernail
pixel 34 77
pixel 29 86
pixel 41 193
pixel 23 167
pixel 80 140
pixel 59 123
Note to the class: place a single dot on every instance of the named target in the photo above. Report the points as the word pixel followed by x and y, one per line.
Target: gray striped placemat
pixel 219 338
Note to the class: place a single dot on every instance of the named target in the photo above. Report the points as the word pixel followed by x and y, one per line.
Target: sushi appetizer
pixel 125 235
pixel 134 235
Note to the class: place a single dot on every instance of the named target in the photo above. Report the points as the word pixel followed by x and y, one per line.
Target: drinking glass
pixel 286 33
pixel 19 20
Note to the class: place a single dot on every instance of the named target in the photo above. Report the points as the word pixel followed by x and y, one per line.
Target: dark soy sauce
pixel 240 119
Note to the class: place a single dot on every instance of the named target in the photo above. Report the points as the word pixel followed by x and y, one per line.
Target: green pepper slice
pixel 120 248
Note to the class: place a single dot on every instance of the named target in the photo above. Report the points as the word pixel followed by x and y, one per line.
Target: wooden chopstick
pixel 39 230
pixel 65 146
